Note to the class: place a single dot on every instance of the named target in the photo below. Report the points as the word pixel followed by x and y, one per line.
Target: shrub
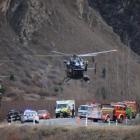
pixel 2 89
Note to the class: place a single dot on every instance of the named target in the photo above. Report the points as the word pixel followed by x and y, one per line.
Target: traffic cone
pixel 78 120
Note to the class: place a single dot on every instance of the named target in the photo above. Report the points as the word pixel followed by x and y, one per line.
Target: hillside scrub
pixel 30 27
pixel 123 16
pixel 64 133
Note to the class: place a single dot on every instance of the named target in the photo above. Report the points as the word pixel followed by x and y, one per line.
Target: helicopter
pixel 76 66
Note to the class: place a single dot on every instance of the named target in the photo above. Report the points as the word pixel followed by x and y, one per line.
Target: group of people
pixel 68 111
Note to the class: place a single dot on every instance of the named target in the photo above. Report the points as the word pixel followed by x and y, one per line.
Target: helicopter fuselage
pixel 76 67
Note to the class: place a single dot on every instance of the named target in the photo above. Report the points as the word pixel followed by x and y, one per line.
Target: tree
pixel 2 91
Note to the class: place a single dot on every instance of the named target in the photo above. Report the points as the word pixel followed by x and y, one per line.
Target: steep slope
pixel 30 27
pixel 123 16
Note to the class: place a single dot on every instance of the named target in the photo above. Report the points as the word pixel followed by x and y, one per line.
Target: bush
pixel 2 89
pixel 12 77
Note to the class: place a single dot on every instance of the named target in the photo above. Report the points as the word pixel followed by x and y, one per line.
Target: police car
pixel 30 116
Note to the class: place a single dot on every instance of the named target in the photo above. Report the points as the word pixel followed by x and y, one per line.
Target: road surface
pixel 76 122
pixel 70 122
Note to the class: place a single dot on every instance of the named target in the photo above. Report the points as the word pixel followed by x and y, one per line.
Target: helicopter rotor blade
pixel 61 53
pixel 91 68
pixel 4 76
pixel 46 55
pixel 6 61
pixel 96 53
pixel 56 54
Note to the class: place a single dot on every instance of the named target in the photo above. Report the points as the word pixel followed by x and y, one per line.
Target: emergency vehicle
pixel 100 112
pixel 119 112
pixel 132 106
pixel 108 112
pixel 83 110
pixel 64 108
pixel 125 109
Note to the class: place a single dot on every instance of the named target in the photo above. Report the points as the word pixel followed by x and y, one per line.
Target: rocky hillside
pixel 123 16
pixel 29 28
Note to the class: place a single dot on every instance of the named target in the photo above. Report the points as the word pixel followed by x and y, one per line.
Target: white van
pixel 83 110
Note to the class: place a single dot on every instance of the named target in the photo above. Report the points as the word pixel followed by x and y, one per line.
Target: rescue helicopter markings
pixel 76 66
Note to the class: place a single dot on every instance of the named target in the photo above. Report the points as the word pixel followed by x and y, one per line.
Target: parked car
pixel 43 114
pixel 29 116
pixel 13 115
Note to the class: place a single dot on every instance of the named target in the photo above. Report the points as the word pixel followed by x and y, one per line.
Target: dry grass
pixel 62 133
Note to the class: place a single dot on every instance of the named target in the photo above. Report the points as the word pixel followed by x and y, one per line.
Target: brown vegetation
pixel 30 27
pixel 63 133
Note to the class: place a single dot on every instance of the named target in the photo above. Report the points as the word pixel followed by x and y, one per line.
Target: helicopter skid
pixel 86 78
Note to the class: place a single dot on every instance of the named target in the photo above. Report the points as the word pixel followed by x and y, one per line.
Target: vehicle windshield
pixel 90 109
pixel 61 105
pixel 42 111
pixel 83 107
pixel 30 113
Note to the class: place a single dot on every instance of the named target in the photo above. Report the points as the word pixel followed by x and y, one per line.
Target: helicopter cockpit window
pixel 74 59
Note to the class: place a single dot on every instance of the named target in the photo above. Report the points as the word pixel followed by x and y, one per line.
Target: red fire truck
pixel 127 108
pixel 106 112
pixel 119 112
pixel 100 112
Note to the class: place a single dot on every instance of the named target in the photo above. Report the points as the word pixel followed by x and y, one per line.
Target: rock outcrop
pixel 123 16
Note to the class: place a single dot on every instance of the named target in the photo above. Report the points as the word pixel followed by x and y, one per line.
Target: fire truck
pixel 132 106
pixel 126 109
pixel 100 112
pixel 119 112
pixel 107 112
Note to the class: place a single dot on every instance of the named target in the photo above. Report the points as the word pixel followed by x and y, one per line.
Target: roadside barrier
pixel 34 120
pixel 11 120
pixel 86 120
pixel 126 121
pixel 109 121
pixel 116 122
pixel 138 115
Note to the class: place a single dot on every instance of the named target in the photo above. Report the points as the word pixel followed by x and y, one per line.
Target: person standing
pixel 73 111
